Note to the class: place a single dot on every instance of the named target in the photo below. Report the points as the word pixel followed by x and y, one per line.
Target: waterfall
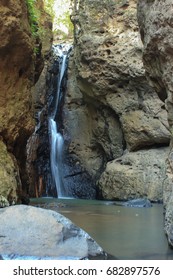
pixel 56 139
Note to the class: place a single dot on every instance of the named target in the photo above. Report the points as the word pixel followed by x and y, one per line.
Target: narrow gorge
pixel 88 117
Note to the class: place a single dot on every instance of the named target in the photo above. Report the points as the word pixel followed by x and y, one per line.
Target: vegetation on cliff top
pixel 34 16
pixel 59 10
pixel 62 25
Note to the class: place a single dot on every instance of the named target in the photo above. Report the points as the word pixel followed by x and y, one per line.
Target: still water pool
pixel 123 232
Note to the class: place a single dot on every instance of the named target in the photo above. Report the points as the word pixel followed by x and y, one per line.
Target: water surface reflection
pixel 124 232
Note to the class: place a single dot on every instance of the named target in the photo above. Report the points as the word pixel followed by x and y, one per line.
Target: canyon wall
pixel 116 127
pixel 21 62
pixel 155 20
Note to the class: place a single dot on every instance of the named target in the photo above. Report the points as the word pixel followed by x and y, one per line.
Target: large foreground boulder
pixel 39 233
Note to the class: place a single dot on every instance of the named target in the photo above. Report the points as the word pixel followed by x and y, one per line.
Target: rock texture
pixel 109 106
pixel 137 203
pixel 16 79
pixel 38 160
pixel 38 153
pixel 3 202
pixel 8 175
pixel 44 234
pixel 139 174
pixel 20 68
pixel 155 21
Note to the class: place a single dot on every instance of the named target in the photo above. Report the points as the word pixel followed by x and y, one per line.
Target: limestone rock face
pixel 44 234
pixel 16 79
pixel 8 175
pixel 19 69
pixel 16 71
pixel 109 105
pixel 155 18
pixel 135 174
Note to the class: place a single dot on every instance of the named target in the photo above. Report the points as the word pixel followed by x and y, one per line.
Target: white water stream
pixel 56 139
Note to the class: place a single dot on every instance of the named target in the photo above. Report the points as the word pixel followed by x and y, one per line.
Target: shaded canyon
pixel 116 112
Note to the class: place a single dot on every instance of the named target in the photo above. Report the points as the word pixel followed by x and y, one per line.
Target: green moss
pixel 49 8
pixel 34 16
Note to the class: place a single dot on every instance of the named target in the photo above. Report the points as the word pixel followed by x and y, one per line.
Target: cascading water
pixel 56 139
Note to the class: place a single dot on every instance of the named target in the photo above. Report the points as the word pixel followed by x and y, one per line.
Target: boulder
pixel 138 203
pixel 135 175
pixel 37 233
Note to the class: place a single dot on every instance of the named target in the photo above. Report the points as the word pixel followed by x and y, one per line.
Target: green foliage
pixel 64 20
pixel 59 10
pixel 63 27
pixel 34 16
pixel 49 8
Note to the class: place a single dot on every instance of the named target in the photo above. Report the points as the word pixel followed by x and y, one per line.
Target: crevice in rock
pixel 74 174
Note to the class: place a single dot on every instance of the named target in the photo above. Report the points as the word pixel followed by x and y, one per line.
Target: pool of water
pixel 123 232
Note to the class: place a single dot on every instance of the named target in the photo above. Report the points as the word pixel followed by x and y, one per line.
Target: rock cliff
pixel 20 68
pixel 155 20
pixel 112 114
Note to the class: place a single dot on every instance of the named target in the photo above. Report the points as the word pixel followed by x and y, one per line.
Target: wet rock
pixel 51 206
pixel 139 203
pixel 38 152
pixel 44 234
pixel 78 183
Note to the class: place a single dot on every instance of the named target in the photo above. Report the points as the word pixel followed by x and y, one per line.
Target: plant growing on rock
pixel 37 16
pixel 34 16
